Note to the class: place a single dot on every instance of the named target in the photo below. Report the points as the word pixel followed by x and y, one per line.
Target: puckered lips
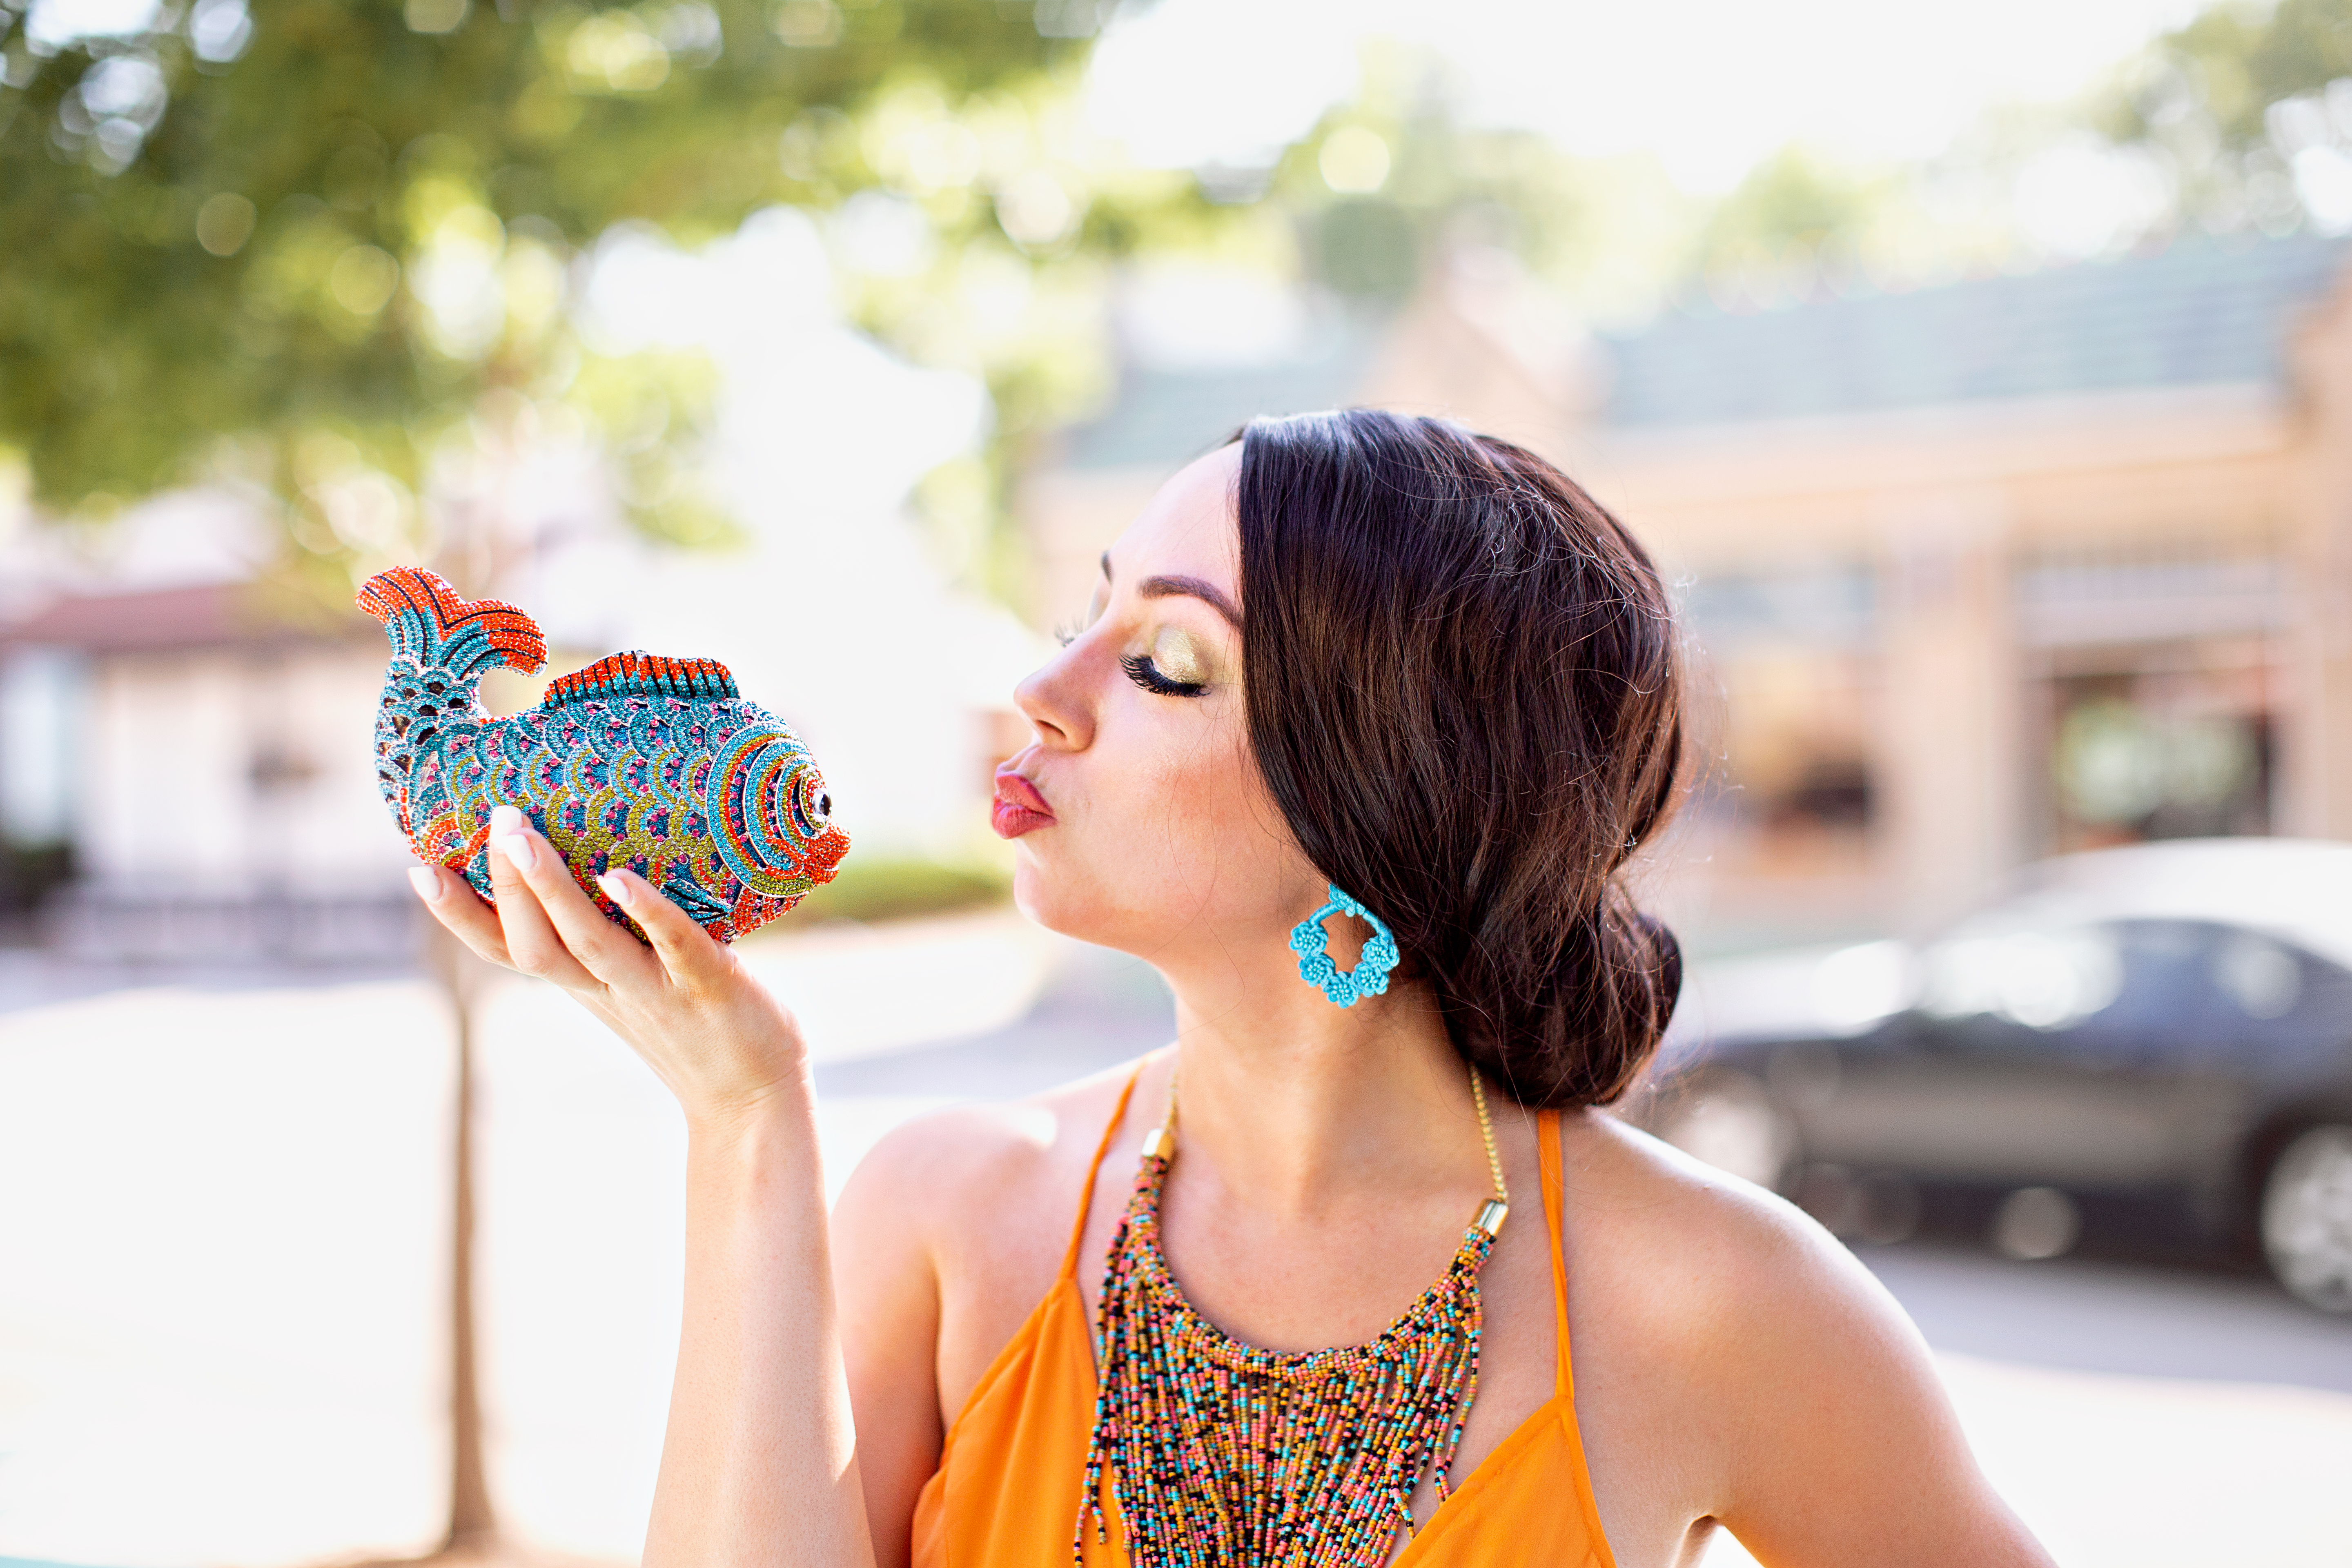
pixel 1018 807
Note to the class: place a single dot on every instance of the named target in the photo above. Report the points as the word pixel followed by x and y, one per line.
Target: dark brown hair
pixel 1464 693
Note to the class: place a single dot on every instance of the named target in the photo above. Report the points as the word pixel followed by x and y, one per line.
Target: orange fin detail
pixel 419 607
pixel 635 674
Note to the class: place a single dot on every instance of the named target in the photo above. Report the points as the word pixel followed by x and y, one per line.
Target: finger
pixel 531 938
pixel 451 900
pixel 692 958
pixel 601 949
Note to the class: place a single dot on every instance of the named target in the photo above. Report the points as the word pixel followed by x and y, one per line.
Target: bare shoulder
pixel 940 1172
pixel 1714 1260
pixel 1716 1322
pixel 989 1174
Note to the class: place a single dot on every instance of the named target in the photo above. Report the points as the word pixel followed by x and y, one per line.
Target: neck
pixel 1305 1107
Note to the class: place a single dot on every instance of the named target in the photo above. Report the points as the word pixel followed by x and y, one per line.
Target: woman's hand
pixel 759 1467
pixel 712 1033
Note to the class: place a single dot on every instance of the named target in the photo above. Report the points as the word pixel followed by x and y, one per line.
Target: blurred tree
pixel 2230 64
pixel 1794 203
pixel 1795 223
pixel 2231 104
pixel 297 240
pixel 1388 179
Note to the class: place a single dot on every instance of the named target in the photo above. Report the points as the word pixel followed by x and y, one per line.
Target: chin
pixel 1042 897
pixel 1075 907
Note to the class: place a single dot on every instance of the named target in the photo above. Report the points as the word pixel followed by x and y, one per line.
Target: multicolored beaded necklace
pixel 1222 1453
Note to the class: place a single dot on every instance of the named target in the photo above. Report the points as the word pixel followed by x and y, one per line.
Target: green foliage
pixel 2229 65
pixel 1368 248
pixel 2206 101
pixel 1791 198
pixel 323 236
pixel 1384 183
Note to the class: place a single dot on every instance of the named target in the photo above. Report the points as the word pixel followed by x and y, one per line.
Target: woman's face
pixel 1149 829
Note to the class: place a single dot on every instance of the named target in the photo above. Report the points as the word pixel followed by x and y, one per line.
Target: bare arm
pixel 1843 1448
pixel 758 1463
pixel 888 1284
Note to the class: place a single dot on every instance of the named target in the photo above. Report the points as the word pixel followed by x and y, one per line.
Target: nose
pixel 1055 698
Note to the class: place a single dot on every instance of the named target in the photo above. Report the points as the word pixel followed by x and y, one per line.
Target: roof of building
pixel 211 614
pixel 2202 312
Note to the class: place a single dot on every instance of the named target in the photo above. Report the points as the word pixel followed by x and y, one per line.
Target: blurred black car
pixel 2146 1050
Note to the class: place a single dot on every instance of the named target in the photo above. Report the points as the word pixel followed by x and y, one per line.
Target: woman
pixel 1318 1306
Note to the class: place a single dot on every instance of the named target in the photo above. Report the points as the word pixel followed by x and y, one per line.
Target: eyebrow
pixel 1199 588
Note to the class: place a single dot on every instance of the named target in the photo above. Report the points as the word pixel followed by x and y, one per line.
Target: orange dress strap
pixel 1087 1195
pixel 1547 1157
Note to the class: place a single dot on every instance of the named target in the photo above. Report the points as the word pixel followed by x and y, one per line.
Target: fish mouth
pixel 824 855
pixel 1019 806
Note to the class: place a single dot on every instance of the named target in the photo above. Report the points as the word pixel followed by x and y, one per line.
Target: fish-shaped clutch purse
pixel 655 764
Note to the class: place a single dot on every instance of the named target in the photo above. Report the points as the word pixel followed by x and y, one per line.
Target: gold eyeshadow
pixel 1182 657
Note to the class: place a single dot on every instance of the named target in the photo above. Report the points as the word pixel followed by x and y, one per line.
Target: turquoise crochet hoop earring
pixel 1344 987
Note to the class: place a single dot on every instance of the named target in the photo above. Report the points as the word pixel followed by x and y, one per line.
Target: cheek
pixel 1204 792
pixel 1178 827
pixel 1205 837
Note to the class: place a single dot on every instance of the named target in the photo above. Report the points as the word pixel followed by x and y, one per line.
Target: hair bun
pixel 1669 951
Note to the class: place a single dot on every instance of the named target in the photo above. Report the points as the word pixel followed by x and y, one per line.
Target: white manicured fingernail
pixel 516 849
pixel 427 882
pixel 504 819
pixel 617 887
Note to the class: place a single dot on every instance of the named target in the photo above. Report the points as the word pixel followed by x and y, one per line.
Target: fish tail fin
pixel 428 622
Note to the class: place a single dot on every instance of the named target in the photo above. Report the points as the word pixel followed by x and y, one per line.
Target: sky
pixel 1709 87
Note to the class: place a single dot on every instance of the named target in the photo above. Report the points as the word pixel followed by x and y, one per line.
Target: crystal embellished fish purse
pixel 655 764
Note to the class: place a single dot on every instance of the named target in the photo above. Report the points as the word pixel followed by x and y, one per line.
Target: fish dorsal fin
pixel 636 674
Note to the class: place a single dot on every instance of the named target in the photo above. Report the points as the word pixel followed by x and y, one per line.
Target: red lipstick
pixel 1019 808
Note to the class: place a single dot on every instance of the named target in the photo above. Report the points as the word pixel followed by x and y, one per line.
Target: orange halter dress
pixel 1013 1471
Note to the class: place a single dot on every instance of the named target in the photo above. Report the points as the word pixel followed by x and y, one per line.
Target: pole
pixel 473 1524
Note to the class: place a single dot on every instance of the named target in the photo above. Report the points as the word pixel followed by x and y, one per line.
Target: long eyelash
pixel 1146 674
pixel 1066 633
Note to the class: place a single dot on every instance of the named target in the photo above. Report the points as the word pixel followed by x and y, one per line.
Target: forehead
pixel 1188 529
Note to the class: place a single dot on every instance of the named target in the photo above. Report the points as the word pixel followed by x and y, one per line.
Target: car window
pixel 2126 993
pixel 2258 975
pixel 2040 978
pixel 2167 1003
pixel 2281 1001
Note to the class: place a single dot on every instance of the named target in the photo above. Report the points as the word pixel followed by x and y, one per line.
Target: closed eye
pixel 1146 674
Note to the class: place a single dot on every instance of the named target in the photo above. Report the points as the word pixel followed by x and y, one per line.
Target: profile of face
pixel 1141 821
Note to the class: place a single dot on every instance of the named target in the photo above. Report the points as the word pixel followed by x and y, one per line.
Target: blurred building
pixel 1977 572
pixel 208 761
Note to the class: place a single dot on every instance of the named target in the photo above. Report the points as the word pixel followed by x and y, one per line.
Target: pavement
pixel 223 1217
